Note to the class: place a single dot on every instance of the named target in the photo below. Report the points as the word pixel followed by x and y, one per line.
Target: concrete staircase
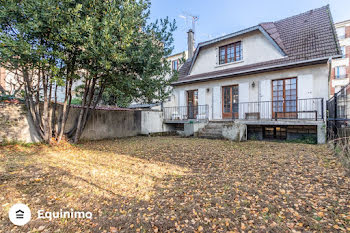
pixel 212 130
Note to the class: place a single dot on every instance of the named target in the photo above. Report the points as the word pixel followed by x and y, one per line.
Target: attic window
pixel 230 53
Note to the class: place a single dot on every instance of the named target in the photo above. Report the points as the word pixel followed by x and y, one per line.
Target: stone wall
pixel 105 124
pixel 16 124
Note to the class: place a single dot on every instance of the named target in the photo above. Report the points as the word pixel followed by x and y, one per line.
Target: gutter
pixel 259 70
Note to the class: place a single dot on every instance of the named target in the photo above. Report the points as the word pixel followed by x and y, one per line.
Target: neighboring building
pixel 8 82
pixel 12 84
pixel 272 77
pixel 175 62
pixel 341 67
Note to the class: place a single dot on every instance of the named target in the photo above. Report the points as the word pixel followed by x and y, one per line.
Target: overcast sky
pixel 220 17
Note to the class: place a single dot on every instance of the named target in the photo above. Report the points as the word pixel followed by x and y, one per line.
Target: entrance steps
pixel 212 130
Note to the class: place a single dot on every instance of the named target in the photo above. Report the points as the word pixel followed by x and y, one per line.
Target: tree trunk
pixel 65 109
pixel 88 96
pixel 54 118
pixel 45 110
pixel 99 96
pixel 30 103
pixel 49 116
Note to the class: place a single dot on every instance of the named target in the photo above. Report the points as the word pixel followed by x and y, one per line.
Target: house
pixel 271 78
pixel 19 214
pixel 341 66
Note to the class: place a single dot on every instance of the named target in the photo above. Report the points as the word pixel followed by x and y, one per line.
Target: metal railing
pixel 338 110
pixel 303 109
pixel 200 112
pixel 341 76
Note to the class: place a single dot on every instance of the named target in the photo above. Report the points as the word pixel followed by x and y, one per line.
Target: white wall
pixel 312 83
pixel 255 46
pixel 152 122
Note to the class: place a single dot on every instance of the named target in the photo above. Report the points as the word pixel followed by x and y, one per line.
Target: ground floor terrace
pixel 168 184
pixel 280 98
pixel 277 120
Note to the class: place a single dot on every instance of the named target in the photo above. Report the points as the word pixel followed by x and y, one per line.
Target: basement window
pixel 275 132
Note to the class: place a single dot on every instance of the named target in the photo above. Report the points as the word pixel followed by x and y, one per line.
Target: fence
pixel 199 112
pixel 338 110
pixel 303 109
pixel 338 124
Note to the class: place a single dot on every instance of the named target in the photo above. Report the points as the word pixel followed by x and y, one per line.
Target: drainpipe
pixel 330 60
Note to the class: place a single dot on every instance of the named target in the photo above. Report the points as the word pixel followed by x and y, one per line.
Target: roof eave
pixel 260 70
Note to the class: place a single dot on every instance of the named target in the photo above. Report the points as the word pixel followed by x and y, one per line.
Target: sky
pixel 221 17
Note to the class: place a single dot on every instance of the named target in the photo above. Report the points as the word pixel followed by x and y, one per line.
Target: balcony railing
pixel 180 113
pixel 341 76
pixel 304 109
pixel 301 109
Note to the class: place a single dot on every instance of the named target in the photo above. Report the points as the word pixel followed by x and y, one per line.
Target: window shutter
pixel 265 95
pixel 182 100
pixel 217 55
pixel 243 96
pixel 216 102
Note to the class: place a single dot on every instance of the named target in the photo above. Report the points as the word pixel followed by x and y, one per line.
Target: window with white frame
pixel 341 32
pixel 343 51
pixel 340 72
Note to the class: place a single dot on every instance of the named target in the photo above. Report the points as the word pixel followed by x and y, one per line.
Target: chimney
pixel 190 43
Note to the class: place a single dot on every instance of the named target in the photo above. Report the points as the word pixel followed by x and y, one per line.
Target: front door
pixel 284 96
pixel 192 104
pixel 230 102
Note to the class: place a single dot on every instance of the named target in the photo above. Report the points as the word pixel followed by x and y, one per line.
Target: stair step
pixel 213 127
pixel 217 131
pixel 207 135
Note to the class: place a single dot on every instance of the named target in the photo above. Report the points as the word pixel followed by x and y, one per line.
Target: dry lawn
pixel 172 184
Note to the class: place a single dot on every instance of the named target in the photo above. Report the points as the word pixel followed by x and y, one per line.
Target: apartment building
pixel 340 72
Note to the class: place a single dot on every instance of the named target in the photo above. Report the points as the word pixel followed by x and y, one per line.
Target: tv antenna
pixel 187 16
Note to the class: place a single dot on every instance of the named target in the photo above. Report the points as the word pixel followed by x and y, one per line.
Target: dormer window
pixel 230 53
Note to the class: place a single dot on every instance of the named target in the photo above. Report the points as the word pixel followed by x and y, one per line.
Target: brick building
pixel 341 66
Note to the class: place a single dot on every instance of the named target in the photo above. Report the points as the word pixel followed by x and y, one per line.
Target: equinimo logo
pixel 20 214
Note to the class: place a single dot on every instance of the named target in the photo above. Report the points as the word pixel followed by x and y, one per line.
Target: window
pixel 284 95
pixel 341 32
pixel 275 132
pixel 230 53
pixel 175 65
pixel 230 101
pixel 340 72
pixel 192 104
pixel 343 51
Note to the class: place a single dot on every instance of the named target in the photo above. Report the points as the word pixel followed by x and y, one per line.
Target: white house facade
pixel 273 78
